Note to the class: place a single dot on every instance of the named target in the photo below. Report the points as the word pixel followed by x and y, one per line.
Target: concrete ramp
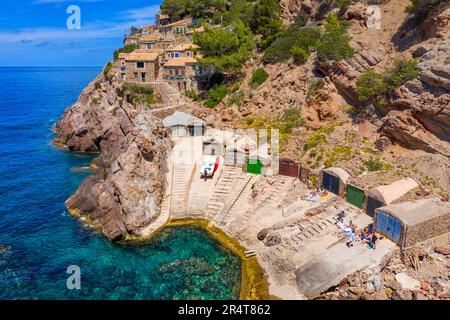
pixel 331 267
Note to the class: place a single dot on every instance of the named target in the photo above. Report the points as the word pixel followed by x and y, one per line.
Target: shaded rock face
pixel 124 194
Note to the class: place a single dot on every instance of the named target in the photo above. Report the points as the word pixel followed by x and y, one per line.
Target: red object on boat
pixel 216 165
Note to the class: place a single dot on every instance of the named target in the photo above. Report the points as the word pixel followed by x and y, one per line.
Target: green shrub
pixel 334 44
pixel 306 38
pixel 216 95
pixel 127 49
pixel 369 84
pixel 114 110
pixel 299 54
pixel 318 137
pixel 412 5
pixel 315 86
pixel 372 85
pixel 107 69
pixel 97 86
pixel 290 119
pixel 138 94
pixel 235 98
pixel 403 71
pixel 266 21
pixel 258 77
pixel 96 100
pixel 192 94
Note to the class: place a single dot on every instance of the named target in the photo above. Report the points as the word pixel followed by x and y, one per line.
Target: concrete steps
pixel 182 177
pixel 224 186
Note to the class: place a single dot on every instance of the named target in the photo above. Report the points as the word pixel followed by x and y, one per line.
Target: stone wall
pixel 413 235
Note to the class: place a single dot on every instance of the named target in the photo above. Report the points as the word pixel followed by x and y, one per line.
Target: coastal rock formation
pixel 124 195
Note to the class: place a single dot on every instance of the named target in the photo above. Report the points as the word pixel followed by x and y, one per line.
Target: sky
pixel 35 32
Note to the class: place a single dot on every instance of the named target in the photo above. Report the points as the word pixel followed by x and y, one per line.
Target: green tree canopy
pixel 266 21
pixel 227 49
pixel 334 44
pixel 179 9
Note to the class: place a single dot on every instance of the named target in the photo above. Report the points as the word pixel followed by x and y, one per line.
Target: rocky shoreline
pixel 124 194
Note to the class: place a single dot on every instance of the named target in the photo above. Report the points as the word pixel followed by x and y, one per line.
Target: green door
pixel 254 166
pixel 355 196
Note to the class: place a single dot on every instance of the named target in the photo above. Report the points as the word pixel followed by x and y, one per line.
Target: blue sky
pixel 34 32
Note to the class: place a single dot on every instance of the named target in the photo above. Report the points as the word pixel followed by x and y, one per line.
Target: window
pixel 176 54
pixel 135 76
pixel 123 76
pixel 187 54
pixel 169 55
pixel 143 76
pixel 149 45
pixel 140 65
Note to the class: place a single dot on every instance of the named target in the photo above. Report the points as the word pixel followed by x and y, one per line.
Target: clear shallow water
pixel 42 240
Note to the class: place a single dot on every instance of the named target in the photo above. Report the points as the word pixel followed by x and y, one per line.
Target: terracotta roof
pixel 180 62
pixel 151 37
pixel 122 55
pixel 183 47
pixel 155 51
pixel 141 56
pixel 178 23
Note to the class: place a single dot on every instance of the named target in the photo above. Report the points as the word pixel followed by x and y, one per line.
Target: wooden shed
pixel 413 222
pixel 384 195
pixel 335 180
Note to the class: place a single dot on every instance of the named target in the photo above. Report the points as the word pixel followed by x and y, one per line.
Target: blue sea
pixel 39 240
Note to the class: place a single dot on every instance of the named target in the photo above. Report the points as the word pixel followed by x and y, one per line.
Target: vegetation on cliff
pixel 374 86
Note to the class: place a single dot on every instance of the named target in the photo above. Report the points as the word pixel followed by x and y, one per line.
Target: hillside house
pixel 177 29
pixel 183 50
pixel 155 41
pixel 162 19
pixel 140 66
pixel 185 73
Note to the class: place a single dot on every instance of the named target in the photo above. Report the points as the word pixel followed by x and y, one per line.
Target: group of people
pixel 366 236
pixel 319 192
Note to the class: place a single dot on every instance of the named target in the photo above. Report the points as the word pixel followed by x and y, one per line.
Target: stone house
pixel 182 50
pixel 185 73
pixel 162 19
pixel 155 41
pixel 140 66
pixel 177 29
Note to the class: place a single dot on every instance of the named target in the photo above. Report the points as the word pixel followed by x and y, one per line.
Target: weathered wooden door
pixel 388 226
pixel 288 169
pixel 331 183
pixel 355 196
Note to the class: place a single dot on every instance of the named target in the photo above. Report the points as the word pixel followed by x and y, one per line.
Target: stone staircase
pixel 230 177
pixel 233 205
pixel 182 178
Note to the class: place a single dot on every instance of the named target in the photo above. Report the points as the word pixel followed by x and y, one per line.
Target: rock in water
pixel 124 195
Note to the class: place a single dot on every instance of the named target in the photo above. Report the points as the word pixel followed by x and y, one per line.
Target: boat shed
pixel 384 195
pixel 414 222
pixel 335 180
pixel 182 124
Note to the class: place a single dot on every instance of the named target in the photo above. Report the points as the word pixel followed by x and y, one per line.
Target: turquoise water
pixel 40 240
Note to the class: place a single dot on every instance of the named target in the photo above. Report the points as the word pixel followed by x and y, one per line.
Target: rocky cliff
pixel 124 194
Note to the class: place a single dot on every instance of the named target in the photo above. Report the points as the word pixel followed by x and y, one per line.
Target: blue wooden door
pixel 388 226
pixel 331 183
